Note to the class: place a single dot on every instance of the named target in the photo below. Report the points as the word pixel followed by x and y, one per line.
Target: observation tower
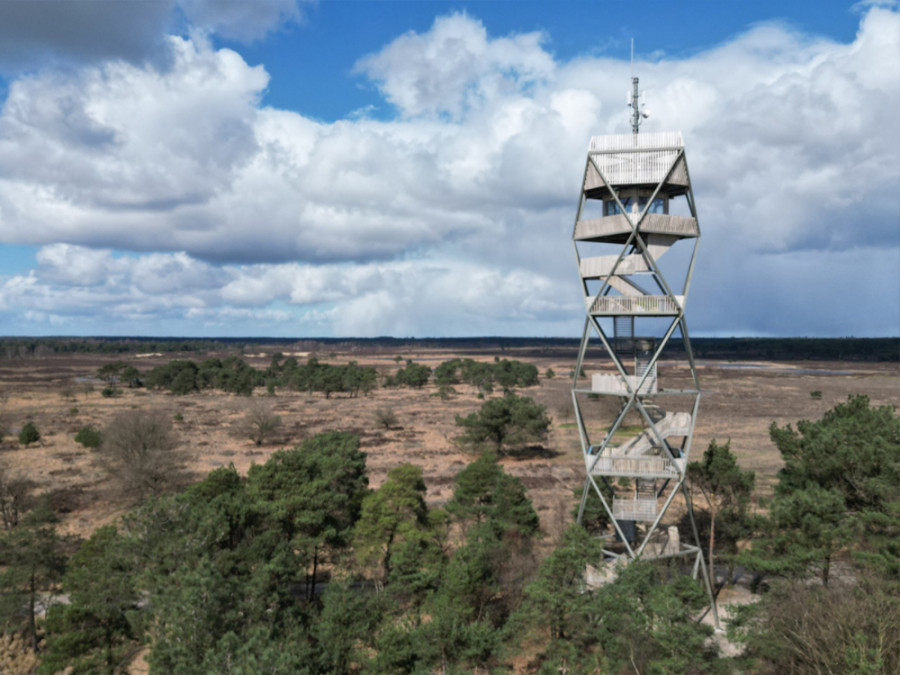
pixel 636 236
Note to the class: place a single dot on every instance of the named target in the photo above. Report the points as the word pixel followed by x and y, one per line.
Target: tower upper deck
pixel 638 160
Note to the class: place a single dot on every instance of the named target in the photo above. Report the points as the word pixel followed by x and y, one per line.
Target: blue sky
pixel 327 89
pixel 190 167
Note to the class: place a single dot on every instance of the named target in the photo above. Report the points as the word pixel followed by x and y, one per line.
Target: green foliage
pixel 350 379
pixel 111 372
pixel 446 373
pixel 594 519
pixel 32 561
pixel 298 567
pixel 726 489
pixel 838 494
pixel 510 374
pixel 29 434
pixel 110 392
pixel 260 649
pixel 854 449
pixel 231 374
pixel 453 621
pixel 392 534
pixel 506 373
pixel 780 349
pixel 88 436
pixel 244 554
pixel 95 631
pixel 179 377
pixel 117 372
pixel 350 615
pixel 557 599
pixel 413 375
pixel 314 495
pixel 635 623
pixel 132 376
pixel 445 392
pixel 504 423
pixel 822 349
pixel 803 530
pixel 839 488
pixel 184 382
pixel 816 394
pixel 550 374
pixel 485 494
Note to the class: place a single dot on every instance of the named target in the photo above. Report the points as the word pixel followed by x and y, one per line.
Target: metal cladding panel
pixel 601 266
pixel 642 159
pixel 644 510
pixel 612 226
pixel 644 467
pixel 612 142
pixel 592 180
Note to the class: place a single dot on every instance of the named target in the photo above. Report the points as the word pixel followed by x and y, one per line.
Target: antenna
pixel 637 114
pixel 632 57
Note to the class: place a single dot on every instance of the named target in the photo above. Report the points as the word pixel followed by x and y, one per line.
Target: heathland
pixel 254 400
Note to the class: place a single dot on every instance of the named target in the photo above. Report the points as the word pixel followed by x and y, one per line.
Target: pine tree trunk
pixel 31 618
pixel 387 556
pixel 311 591
pixel 712 542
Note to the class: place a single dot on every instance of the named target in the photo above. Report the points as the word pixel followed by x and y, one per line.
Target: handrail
pixel 635 304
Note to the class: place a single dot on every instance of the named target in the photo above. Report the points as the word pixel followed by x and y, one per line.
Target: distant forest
pixel 734 348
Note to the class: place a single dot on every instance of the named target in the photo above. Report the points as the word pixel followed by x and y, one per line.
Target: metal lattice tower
pixel 636 206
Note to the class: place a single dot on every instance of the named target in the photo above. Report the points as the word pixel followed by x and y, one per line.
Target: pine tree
pixel 725 488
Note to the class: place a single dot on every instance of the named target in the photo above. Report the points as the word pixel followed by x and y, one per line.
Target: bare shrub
pixel 67 390
pixel 386 417
pixel 557 397
pixel 16 654
pixel 259 423
pixel 13 493
pixel 804 628
pixel 140 450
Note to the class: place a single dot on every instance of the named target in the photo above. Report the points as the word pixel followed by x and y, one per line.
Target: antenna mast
pixel 637 115
pixel 635 106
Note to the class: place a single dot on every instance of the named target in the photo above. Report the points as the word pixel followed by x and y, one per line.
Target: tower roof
pixel 636 159
pixel 613 142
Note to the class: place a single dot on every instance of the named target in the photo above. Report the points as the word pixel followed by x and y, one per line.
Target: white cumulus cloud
pixel 169 190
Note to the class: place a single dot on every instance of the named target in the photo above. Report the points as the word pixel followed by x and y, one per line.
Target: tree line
pixel 233 374
pixel 787 348
pixel 504 372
